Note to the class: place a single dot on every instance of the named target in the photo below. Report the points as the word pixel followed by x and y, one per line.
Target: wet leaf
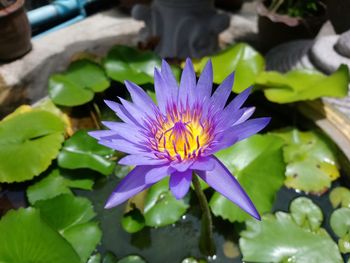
pixel 161 207
pixel 110 258
pixel 31 139
pixel 78 84
pixel 55 184
pixel 83 151
pixel 133 221
pixel 306 214
pixel 257 162
pixel 193 260
pixel 344 244
pixel 311 161
pixel 127 63
pixel 71 216
pixel 242 59
pixel 340 196
pixel 26 238
pixel 131 259
pixel 277 238
pixel 299 85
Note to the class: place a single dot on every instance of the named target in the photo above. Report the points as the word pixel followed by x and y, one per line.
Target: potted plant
pixel 15 30
pixel 284 20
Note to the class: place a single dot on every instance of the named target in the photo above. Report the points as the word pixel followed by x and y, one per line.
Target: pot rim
pixel 12 8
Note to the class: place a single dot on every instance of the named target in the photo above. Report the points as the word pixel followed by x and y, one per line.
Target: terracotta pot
pixel 275 28
pixel 338 13
pixel 15 32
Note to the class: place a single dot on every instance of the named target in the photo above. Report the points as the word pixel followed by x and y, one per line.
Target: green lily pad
pixel 311 161
pixel 95 259
pixel 161 207
pixel 340 221
pixel 78 84
pixel 193 260
pixel 133 221
pixel 71 216
pixel 83 151
pixel 110 258
pixel 340 196
pixel 241 58
pixel 28 142
pixel 306 214
pixel 132 259
pixel 127 63
pixel 26 238
pixel 55 184
pixel 257 162
pixel 299 85
pixel 277 238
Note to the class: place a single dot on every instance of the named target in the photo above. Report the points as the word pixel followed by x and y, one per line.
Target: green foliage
pixel 311 161
pixel 241 58
pixel 340 223
pixel 306 214
pixel 300 85
pixel 27 238
pixel 83 151
pixel 133 221
pixel 127 63
pixel 131 259
pixel 78 84
pixel 71 217
pixel 297 8
pixel 29 142
pixel 257 162
pixel 277 238
pixel 340 196
pixel 161 207
pixel 55 184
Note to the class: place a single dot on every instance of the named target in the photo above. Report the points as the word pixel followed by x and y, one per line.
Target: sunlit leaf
pixel 340 196
pixel 27 238
pixel 258 164
pixel 242 59
pixel 83 151
pixel 279 239
pixel 133 221
pixel 95 259
pixel 299 85
pixel 340 221
pixel 306 214
pixel 161 207
pixel 78 84
pixel 127 63
pixel 71 216
pixel 311 161
pixel 55 184
pixel 28 142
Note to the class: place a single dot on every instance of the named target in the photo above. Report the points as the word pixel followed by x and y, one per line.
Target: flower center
pixel 181 136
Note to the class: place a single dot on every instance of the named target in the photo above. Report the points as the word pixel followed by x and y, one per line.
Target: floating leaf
pixel 78 84
pixel 26 238
pixel 55 184
pixel 299 85
pixel 131 259
pixel 344 244
pixel 257 162
pixel 193 260
pixel 340 221
pixel 83 151
pixel 95 259
pixel 306 214
pixel 110 258
pixel 340 196
pixel 28 142
pixel 127 63
pixel 242 59
pixel 161 207
pixel 71 216
pixel 133 221
pixel 279 239
pixel 311 161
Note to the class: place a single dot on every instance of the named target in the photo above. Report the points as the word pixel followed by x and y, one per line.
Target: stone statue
pixel 184 28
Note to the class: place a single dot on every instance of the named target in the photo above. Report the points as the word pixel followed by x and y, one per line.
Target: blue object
pixel 57 11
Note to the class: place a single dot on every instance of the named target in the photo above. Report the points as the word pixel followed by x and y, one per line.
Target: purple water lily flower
pixel 180 135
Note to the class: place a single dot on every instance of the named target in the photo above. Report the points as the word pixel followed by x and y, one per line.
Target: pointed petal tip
pixel 109 205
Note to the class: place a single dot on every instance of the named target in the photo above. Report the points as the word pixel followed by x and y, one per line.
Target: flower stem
pixel 206 242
